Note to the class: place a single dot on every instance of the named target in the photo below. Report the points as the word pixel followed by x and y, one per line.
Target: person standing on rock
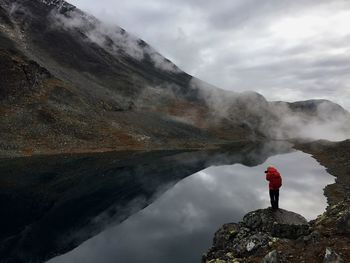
pixel 275 182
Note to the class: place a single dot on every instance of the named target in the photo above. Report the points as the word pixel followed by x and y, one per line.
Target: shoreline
pixel 328 233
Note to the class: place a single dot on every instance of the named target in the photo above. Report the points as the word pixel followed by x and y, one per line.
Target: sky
pixel 285 50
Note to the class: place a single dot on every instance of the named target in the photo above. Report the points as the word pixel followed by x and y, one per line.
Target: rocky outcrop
pixel 279 223
pixel 255 235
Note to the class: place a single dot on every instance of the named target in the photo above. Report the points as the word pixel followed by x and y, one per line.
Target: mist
pixel 285 50
pixel 275 120
pixel 312 119
pixel 111 38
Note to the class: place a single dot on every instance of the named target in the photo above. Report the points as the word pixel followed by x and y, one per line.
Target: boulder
pixel 257 232
pixel 279 223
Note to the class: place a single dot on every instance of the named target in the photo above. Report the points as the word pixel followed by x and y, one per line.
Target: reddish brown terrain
pixel 61 91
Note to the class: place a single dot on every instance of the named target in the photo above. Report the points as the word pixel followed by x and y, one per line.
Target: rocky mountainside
pixel 70 83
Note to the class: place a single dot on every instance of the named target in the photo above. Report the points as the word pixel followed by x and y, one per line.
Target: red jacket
pixel 274 177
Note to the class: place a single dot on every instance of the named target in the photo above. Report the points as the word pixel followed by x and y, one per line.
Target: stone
pixel 271 257
pixel 313 237
pixel 332 257
pixel 280 223
pixel 257 232
pixel 343 225
pixel 226 233
pixel 250 246
pixel 216 261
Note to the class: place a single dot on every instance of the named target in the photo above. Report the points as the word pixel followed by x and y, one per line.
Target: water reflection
pixel 179 225
pixel 51 204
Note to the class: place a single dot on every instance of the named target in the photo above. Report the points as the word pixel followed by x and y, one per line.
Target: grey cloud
pixel 113 39
pixel 278 120
pixel 243 13
pixel 230 44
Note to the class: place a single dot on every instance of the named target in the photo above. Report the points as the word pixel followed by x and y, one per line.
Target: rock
pixel 225 233
pixel 313 237
pixel 258 231
pixel 280 223
pixel 216 261
pixel 272 257
pixel 332 257
pixel 343 225
pixel 250 246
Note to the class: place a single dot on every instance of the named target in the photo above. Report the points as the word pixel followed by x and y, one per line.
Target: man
pixel 275 182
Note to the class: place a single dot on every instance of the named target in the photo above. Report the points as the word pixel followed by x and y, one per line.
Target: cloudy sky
pixel 286 50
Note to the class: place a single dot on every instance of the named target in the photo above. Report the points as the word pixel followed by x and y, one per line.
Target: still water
pixel 179 225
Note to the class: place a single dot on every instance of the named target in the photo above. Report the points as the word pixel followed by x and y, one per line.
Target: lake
pixel 183 214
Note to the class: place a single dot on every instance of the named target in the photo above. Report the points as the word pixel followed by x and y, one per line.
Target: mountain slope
pixel 91 97
pixel 72 84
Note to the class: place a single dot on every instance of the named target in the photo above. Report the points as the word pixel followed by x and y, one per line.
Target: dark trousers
pixel 274 194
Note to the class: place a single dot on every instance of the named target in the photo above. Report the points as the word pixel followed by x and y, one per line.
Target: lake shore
pixel 328 236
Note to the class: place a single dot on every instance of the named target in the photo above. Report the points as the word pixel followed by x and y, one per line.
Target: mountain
pixel 313 119
pixel 70 83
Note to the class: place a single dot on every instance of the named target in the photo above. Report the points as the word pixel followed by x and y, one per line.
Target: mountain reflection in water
pixel 179 225
pixel 51 204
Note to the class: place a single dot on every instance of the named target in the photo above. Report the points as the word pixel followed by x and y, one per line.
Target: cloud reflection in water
pixel 179 225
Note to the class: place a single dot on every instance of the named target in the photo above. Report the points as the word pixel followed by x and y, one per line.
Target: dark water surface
pixel 179 224
pixel 51 204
